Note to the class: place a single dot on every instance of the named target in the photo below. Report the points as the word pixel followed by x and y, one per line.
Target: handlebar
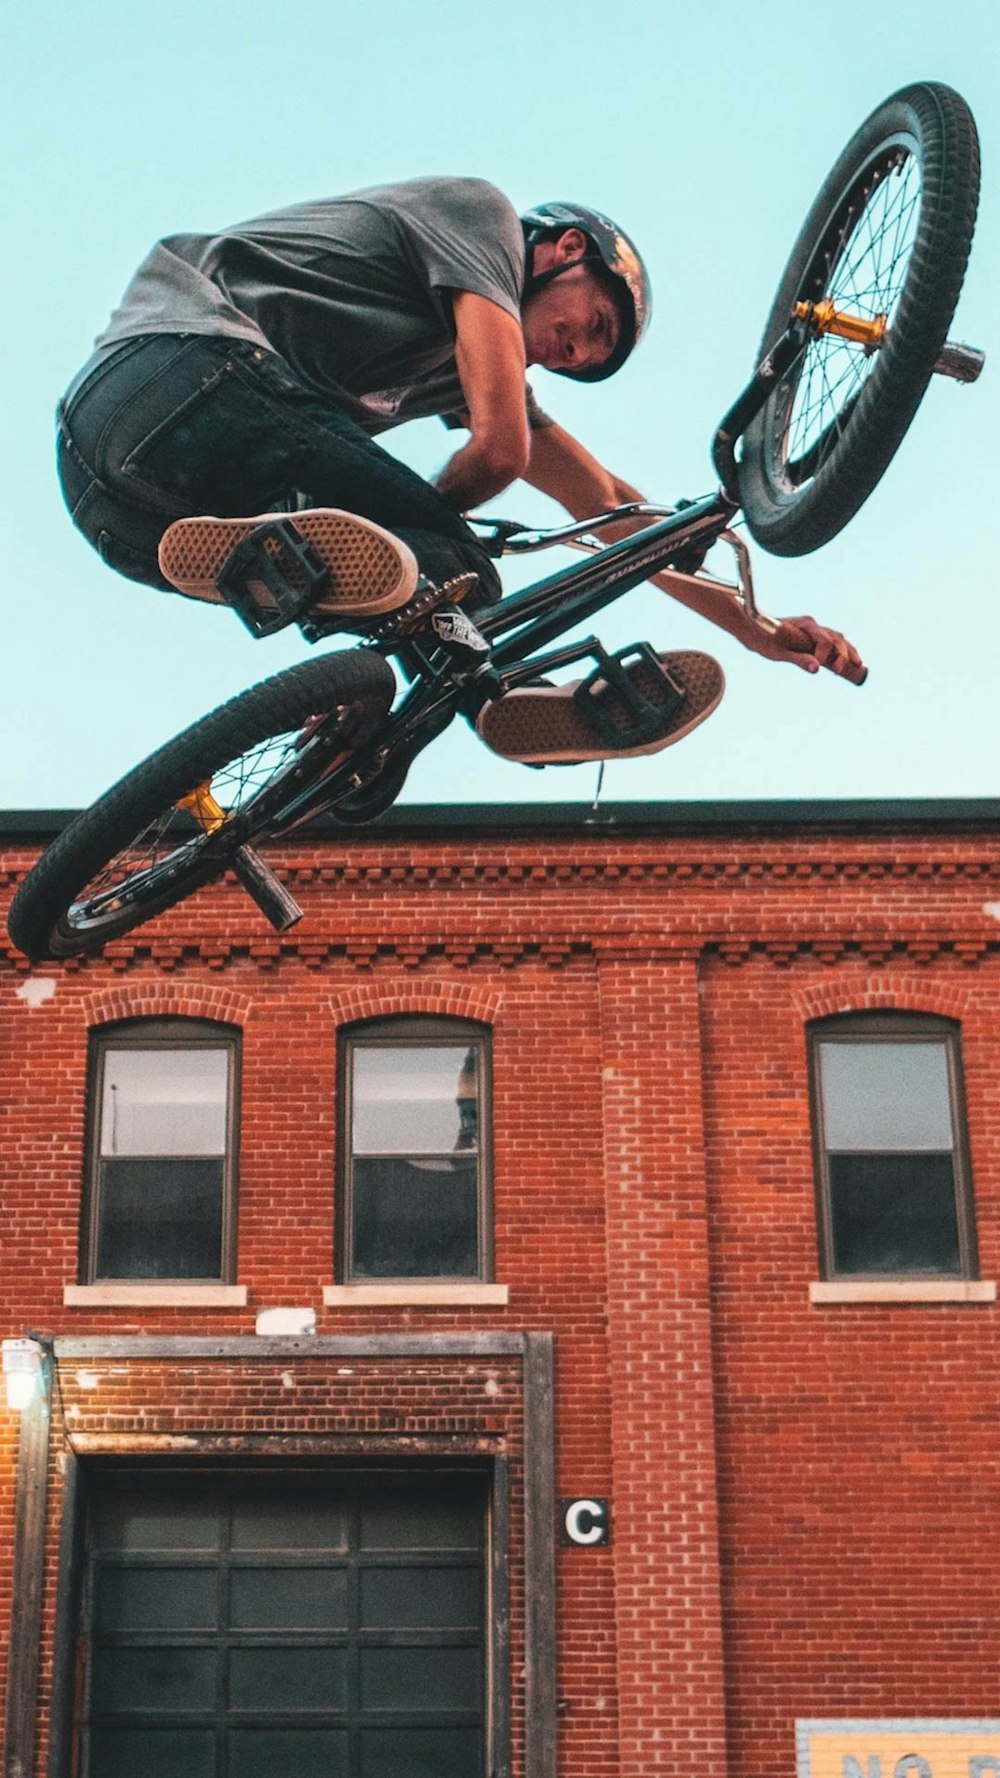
pixel 510 538
pixel 505 537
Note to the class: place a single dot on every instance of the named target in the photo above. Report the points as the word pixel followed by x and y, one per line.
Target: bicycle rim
pixel 861 265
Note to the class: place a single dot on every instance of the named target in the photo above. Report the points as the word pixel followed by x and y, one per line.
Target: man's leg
pixel 342 466
pixel 172 427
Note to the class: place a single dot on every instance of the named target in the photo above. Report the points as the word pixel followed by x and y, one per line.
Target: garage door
pixel 302 1626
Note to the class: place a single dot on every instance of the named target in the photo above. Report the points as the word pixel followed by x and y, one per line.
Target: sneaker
pixel 370 570
pixel 543 725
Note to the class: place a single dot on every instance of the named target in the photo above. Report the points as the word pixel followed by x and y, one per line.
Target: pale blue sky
pixel 706 129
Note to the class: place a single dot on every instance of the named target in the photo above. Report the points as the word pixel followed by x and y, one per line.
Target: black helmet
pixel 610 247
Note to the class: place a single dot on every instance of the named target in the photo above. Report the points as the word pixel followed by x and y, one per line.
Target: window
pixel 892 1153
pixel 414 1146
pixel 160 1193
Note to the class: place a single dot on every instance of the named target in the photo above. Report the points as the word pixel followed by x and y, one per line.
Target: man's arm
pixel 561 467
pixel 489 352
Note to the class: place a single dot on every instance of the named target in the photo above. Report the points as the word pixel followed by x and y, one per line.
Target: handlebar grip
pixel 799 641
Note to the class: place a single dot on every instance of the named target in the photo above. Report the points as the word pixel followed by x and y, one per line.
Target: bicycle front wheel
pixel 175 822
pixel 885 246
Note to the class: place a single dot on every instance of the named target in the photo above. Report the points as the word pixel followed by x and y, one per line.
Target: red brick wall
pixel 804 1498
pixel 857 1472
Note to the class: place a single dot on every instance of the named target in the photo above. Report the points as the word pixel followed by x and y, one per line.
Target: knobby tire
pixel 798 495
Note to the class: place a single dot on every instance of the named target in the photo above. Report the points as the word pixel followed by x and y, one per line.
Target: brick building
pixel 535 1317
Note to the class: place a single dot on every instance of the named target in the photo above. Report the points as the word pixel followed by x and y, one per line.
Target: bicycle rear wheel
pixel 135 852
pixel 887 242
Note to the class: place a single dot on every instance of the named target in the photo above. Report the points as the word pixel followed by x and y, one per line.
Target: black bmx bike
pixel 858 327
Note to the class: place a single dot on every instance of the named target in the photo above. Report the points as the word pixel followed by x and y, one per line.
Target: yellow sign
pixel 965 1748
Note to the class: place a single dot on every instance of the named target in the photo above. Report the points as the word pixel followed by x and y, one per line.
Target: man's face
pixel 573 323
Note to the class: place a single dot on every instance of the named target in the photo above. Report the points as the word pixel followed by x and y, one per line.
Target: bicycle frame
pixel 517 632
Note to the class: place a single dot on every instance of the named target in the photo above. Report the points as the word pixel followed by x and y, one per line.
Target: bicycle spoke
pixel 866 265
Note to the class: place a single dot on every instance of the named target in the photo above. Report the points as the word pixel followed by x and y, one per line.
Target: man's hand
pixel 828 647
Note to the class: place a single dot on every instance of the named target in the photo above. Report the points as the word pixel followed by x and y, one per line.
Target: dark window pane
pixel 283 1679
pixel 153 1679
pixel 420 1598
pixel 156 1521
pixel 411 1516
pixel 155 1753
pixel 288 1598
pixel 160 1218
pixel 421 1753
pixel 156 1598
pixel 894 1213
pixel 415 1219
pixel 415 1679
pixel 286 1753
pixel 262 1523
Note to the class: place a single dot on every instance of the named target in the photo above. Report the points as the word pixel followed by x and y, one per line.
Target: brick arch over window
pixel 881 993
pixel 432 999
pixel 165 1000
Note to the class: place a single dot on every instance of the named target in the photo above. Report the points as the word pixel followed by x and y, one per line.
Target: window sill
pixel 464 1294
pixel 904 1290
pixel 134 1295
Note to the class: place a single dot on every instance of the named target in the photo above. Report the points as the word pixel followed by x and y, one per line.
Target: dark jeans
pixel 172 425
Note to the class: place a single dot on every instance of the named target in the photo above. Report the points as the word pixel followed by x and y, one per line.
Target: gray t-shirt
pixel 353 292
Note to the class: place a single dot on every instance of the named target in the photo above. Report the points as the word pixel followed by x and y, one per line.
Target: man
pixel 246 374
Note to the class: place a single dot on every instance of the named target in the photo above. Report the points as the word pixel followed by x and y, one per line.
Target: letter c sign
pixel 585 1523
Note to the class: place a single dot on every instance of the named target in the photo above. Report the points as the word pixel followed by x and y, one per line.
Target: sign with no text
pixel 899 1748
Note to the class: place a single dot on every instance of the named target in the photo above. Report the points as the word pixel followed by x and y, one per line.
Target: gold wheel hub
pixel 824 318
pixel 200 803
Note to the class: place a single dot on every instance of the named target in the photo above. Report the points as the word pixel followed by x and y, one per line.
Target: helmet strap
pixel 536 281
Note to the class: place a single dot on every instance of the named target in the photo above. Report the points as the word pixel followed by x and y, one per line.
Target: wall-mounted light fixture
pixel 22 1370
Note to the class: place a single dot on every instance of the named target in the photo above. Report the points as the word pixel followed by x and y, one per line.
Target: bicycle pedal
pixel 630 696
pixel 276 557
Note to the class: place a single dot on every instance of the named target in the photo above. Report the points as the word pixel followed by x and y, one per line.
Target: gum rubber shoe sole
pixel 541 725
pixel 371 571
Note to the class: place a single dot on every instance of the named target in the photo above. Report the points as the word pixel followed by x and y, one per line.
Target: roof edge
pixel 410 820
